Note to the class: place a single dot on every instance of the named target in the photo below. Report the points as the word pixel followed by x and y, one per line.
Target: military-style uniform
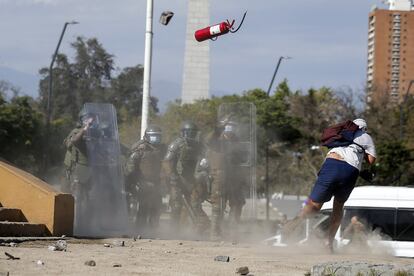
pixel 78 172
pixel 234 177
pixel 227 182
pixel 143 169
pixel 181 159
pixel 216 158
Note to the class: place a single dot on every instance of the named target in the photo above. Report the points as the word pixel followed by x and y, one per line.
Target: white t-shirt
pixel 353 154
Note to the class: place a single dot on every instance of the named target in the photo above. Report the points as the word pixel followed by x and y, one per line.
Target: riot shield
pixel 238 123
pixel 105 209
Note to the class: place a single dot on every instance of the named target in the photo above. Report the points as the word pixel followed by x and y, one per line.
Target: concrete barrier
pixel 39 202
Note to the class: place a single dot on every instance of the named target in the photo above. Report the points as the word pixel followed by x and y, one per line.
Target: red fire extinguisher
pixel 212 32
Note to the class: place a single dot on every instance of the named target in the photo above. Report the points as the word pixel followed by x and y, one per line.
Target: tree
pixel 20 131
pixel 87 79
pixel 126 93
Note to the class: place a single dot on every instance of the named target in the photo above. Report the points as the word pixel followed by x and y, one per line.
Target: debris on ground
pixel 119 243
pixel 11 257
pixel 8 244
pixel 359 268
pixel 243 270
pixel 107 245
pixel 117 265
pixel 90 263
pixel 40 262
pixel 60 245
pixel 225 259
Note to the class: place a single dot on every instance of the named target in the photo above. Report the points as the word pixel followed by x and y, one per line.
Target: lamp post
pixel 267 140
pixel 401 109
pixel 50 93
pixel 274 74
pixel 147 68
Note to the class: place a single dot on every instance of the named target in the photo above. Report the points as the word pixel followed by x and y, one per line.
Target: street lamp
pixel 147 68
pixel 49 96
pixel 274 74
pixel 401 109
pixel 267 141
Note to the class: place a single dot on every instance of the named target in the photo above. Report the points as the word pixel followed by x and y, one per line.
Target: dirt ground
pixel 170 257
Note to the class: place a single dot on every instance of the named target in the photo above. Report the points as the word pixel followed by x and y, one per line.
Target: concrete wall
pixel 39 202
pixel 196 75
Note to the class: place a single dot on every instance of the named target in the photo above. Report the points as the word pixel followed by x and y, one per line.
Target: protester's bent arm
pixel 370 159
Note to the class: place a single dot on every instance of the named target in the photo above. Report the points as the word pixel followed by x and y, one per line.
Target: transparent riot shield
pixel 105 209
pixel 238 121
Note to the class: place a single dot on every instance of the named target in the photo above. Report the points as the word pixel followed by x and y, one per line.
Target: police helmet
pixel 189 130
pixel 153 134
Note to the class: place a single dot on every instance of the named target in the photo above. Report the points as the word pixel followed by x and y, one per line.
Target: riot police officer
pixel 143 169
pixel 181 159
pixel 225 175
pixel 78 172
pixel 234 178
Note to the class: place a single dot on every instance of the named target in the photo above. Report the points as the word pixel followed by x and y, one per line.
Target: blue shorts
pixel 336 178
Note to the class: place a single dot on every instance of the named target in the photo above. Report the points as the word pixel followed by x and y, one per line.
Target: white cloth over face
pixel 354 154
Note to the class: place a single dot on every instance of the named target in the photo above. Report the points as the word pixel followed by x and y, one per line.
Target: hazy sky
pixel 326 38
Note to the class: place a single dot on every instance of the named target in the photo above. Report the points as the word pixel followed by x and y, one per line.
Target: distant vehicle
pixel 388 211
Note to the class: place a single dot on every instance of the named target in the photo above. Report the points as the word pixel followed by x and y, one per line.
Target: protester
pixel 337 179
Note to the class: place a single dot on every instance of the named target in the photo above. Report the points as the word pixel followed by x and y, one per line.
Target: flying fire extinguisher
pixel 212 32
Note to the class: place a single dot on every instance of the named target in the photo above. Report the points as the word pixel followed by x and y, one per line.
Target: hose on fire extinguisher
pixel 241 23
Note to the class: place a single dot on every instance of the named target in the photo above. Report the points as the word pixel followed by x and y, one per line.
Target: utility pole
pixel 268 142
pixel 147 68
pixel 45 158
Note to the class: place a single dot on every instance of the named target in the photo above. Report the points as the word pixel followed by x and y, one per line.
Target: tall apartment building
pixel 391 51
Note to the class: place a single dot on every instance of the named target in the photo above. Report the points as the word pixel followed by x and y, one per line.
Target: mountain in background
pixel 27 83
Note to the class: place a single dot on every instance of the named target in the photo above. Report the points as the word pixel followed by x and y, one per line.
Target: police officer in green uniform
pixel 143 180
pixel 234 176
pixel 225 175
pixel 181 159
pixel 78 172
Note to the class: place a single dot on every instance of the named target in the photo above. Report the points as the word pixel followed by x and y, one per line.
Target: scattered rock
pixel 357 268
pixel 40 262
pixel 243 270
pixel 168 251
pixel 119 243
pixel 180 243
pixel 149 240
pixel 60 245
pixel 90 263
pixel 222 259
pixel 107 245
pixel 11 257
pixel 13 244
pixel 138 237
pixel 117 265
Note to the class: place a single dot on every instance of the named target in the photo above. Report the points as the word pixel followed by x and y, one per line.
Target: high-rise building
pixel 391 51
pixel 196 75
